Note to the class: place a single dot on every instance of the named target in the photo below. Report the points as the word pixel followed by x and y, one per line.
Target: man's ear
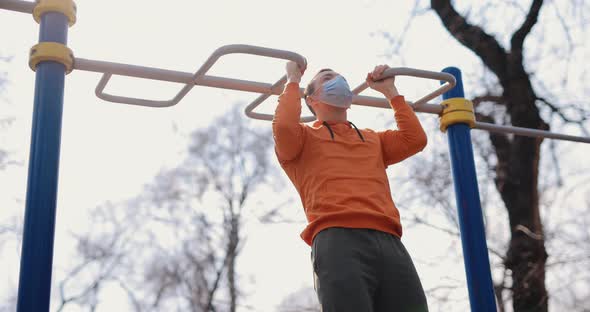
pixel 308 102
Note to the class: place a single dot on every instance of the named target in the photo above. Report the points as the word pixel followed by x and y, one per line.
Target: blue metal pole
pixel 34 287
pixel 475 251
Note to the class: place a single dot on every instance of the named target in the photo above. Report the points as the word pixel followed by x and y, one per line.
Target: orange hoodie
pixel 341 179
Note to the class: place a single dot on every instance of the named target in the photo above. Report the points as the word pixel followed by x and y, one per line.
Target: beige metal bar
pixel 529 132
pixel 412 72
pixel 18 6
pixel 153 72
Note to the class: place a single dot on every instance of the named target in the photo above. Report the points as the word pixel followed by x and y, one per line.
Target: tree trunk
pixel 518 158
pixel 517 181
pixel 232 253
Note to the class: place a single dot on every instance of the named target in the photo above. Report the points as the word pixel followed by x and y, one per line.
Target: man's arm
pixel 410 137
pixel 287 131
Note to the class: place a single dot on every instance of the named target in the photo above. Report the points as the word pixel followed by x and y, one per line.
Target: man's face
pixel 321 78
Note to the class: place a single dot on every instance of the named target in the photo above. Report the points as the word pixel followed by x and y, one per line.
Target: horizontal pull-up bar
pixel 404 71
pixel 194 79
pixel 108 69
pixel 528 132
pixel 377 102
pixel 267 89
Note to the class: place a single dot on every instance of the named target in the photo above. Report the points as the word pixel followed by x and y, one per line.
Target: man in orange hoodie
pixel 354 227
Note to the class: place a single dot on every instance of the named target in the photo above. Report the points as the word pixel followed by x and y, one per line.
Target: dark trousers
pixel 363 270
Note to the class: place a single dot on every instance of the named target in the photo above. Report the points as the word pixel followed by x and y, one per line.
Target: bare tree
pixel 10 230
pixel 234 159
pixel 128 248
pixel 426 199
pixel 224 165
pixel 5 119
pixel 175 246
pixel 103 255
pixel 518 158
pixel 428 184
pixel 516 86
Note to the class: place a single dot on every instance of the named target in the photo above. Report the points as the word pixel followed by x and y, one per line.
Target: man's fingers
pixel 382 69
pixel 293 68
pixel 370 80
pixel 375 73
pixel 378 71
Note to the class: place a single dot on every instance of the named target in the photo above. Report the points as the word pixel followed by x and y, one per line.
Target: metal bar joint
pixel 65 7
pixel 51 51
pixel 456 110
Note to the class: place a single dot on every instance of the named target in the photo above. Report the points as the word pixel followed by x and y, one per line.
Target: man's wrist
pixel 391 94
pixel 293 79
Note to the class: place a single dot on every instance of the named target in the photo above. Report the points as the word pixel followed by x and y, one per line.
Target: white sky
pixel 110 150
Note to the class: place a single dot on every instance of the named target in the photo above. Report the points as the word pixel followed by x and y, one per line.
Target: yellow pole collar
pixel 51 51
pixel 456 110
pixel 66 7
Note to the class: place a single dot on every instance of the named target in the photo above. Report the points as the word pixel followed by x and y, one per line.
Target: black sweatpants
pixel 363 270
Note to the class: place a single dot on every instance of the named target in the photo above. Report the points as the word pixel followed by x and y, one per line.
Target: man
pixel 354 227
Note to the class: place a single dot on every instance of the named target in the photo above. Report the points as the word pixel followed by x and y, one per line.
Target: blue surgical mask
pixel 336 92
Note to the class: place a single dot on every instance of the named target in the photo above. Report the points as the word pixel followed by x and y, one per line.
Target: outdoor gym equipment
pixel 52 60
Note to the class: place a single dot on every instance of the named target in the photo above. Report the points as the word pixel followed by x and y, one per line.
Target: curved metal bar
pixel 169 75
pixel 268 117
pixel 244 49
pixel 195 79
pixel 18 6
pixel 371 101
pixel 412 72
pixel 99 91
pixel 267 90
pixel 420 106
pixel 276 89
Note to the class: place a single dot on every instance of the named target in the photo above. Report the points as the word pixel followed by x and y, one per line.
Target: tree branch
pixel 565 118
pixel 498 99
pixel 485 46
pixel 418 220
pixel 519 35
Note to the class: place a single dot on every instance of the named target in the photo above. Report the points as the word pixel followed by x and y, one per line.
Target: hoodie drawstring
pixel 357 131
pixel 355 128
pixel 329 129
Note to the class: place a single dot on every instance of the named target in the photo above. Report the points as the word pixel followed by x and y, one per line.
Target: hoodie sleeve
pixel 287 130
pixel 410 137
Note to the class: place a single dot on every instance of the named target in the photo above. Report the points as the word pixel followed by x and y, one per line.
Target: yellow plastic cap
pixel 51 51
pixel 457 110
pixel 66 7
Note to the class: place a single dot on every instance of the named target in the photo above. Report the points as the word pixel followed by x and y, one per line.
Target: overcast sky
pixel 109 151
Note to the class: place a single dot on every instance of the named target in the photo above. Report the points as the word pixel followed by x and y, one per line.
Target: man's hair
pixel 311 86
pixel 310 89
